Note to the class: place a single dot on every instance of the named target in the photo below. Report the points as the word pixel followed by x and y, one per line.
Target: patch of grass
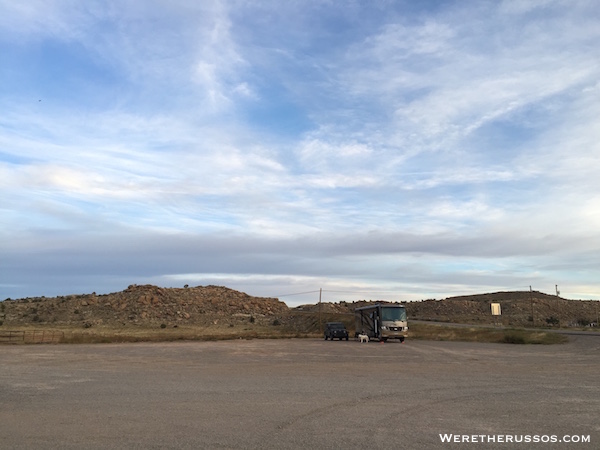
pixel 181 333
pixel 432 332
pixel 75 334
pixel 157 333
pixel 513 337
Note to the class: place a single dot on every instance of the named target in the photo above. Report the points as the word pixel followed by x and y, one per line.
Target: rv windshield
pixel 393 314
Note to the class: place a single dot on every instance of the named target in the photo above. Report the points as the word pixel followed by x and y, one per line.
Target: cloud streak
pixel 409 149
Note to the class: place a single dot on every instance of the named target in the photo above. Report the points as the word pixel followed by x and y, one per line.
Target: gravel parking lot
pixel 299 393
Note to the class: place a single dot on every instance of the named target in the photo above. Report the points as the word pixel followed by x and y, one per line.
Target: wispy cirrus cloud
pixel 390 144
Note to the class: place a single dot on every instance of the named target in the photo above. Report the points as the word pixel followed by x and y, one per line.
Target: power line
pixel 368 291
pixel 296 293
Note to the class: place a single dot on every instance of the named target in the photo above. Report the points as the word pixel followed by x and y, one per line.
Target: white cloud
pixel 454 147
pixel 37 18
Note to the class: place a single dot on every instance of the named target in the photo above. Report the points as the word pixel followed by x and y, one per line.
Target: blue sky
pixel 377 150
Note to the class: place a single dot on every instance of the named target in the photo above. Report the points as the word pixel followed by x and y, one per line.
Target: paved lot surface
pixel 291 394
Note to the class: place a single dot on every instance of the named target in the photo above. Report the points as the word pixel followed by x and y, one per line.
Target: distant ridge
pixel 148 305
pixel 519 309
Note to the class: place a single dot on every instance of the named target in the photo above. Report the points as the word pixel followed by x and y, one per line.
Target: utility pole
pixel 557 303
pixel 320 321
pixel 531 298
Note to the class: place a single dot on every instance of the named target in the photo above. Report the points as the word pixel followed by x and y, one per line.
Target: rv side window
pixel 393 314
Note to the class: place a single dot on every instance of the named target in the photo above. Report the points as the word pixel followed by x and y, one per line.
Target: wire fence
pixel 31 336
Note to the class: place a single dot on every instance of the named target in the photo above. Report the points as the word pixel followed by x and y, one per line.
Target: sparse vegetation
pixel 432 332
pixel 108 335
pixel 213 312
pixel 418 331
pixel 552 320
pixel 513 337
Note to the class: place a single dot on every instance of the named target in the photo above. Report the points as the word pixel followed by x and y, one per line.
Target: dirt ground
pixel 298 393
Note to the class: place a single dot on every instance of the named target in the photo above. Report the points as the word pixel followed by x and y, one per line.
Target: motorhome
pixel 382 321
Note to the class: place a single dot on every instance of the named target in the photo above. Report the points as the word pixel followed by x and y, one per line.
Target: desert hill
pixel 518 308
pixel 144 305
pixel 148 305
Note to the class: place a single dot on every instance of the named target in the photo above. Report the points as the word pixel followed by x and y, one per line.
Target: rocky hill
pixel 518 308
pixel 217 305
pixel 143 305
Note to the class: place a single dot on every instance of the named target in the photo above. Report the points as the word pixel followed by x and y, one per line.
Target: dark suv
pixel 335 330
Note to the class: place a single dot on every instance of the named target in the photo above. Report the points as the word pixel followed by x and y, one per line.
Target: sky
pixel 393 150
